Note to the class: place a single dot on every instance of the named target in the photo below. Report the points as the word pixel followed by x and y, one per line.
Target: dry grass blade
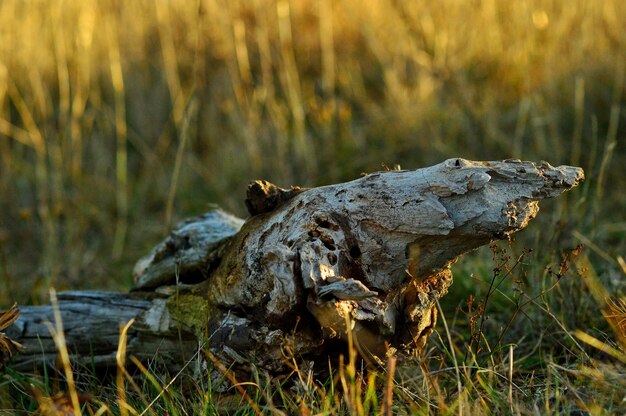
pixel 7 346
pixel 58 336
pixel 233 380
pixel 388 399
pixel 7 318
pixel 602 346
pixel 616 316
pixel 121 369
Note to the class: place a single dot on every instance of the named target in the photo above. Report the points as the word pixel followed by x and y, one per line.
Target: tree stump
pixel 374 253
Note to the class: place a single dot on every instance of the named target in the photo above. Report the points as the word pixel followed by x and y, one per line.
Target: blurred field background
pixel 119 118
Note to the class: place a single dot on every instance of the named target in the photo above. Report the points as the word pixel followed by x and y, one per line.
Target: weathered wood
pixel 188 253
pixel 375 252
pixel 92 322
pixel 263 196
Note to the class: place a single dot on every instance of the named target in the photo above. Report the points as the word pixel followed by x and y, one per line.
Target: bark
pixel 374 253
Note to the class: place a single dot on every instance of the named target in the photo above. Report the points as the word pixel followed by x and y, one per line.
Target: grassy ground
pixel 119 118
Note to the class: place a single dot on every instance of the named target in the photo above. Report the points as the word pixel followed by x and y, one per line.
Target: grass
pixel 532 357
pixel 118 119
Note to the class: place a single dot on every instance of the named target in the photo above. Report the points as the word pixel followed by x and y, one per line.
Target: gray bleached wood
pixel 92 322
pixel 376 251
pixel 188 252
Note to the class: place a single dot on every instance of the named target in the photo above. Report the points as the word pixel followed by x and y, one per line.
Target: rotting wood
pixel 375 252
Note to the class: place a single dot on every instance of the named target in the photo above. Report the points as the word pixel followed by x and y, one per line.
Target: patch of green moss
pixel 191 310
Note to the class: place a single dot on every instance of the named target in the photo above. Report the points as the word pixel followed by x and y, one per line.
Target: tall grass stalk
pixel 121 133
pixel 120 358
pixel 59 340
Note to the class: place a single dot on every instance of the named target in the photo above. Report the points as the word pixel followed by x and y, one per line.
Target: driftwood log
pixel 374 253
